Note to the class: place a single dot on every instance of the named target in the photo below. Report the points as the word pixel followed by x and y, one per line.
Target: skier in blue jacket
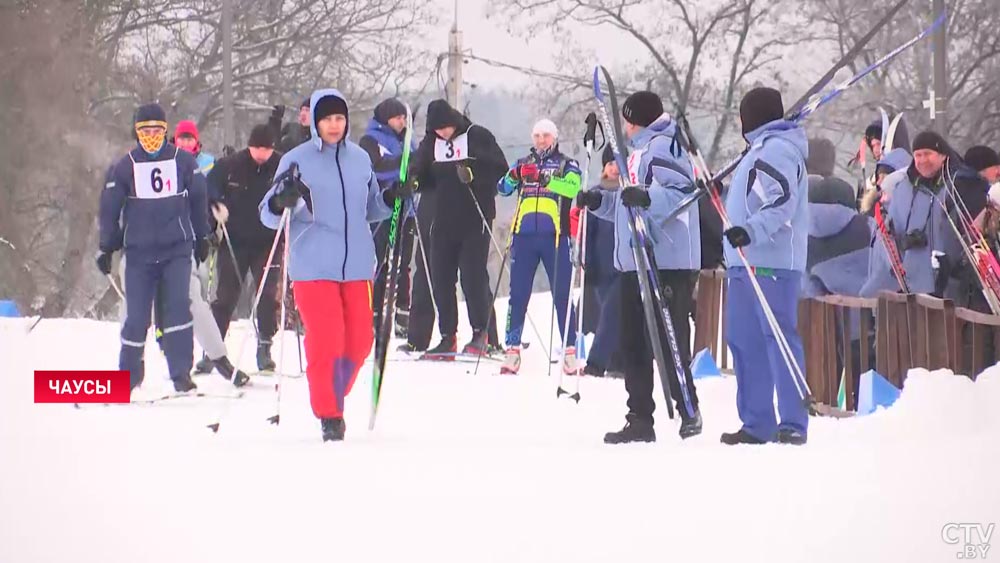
pixel 546 182
pixel 153 208
pixel 767 206
pixel 659 176
pixel 332 202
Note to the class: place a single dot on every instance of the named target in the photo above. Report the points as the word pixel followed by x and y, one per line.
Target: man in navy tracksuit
pixel 546 182
pixel 659 176
pixel 153 208
pixel 383 141
pixel 767 205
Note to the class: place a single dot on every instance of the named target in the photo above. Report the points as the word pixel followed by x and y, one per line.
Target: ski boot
pixel 227 370
pixel 402 322
pixel 791 437
pixel 184 384
pixel 408 348
pixel 333 429
pixel 740 437
pixel 569 366
pixel 445 350
pixel 264 361
pixel 635 430
pixel 690 425
pixel 478 345
pixel 511 361
pixel 204 366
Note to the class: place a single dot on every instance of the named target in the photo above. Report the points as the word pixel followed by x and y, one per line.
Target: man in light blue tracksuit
pixel 767 205
pixel 660 175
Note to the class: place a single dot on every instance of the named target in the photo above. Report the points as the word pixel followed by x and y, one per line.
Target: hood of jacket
pixel 664 125
pixel 829 219
pixel 783 129
pixel 313 100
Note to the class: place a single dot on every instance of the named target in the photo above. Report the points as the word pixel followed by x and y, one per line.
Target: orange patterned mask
pixel 151 135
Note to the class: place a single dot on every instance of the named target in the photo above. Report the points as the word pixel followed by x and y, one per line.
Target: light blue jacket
pixel 333 241
pixel 769 198
pixel 661 165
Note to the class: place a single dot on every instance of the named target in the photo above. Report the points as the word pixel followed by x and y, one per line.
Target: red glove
pixel 528 172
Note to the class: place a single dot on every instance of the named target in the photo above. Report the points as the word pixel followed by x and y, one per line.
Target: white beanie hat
pixel 545 126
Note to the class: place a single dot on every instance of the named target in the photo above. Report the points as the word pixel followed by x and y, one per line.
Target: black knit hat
pixel 981 157
pixel 261 136
pixel 440 114
pixel 149 112
pixel 760 106
pixel 931 140
pixel 387 109
pixel 329 105
pixel 642 108
pixel 822 157
pixel 607 155
pixel 305 103
pixel 832 190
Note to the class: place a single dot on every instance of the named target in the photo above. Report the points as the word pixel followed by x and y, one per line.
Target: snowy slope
pixel 464 468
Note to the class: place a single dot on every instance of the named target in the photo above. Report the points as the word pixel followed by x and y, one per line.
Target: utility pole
pixel 939 102
pixel 454 90
pixel 228 131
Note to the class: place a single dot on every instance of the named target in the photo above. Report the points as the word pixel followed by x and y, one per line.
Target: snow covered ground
pixel 471 468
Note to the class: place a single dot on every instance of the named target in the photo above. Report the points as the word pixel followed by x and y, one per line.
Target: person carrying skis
pixel 153 208
pixel 932 256
pixel 206 331
pixel 331 195
pixel 462 163
pixel 767 204
pixel 546 182
pixel 237 185
pixel 601 276
pixel 383 141
pixel 660 175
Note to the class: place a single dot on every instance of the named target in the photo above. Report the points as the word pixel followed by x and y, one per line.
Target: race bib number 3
pixel 450 151
pixel 155 180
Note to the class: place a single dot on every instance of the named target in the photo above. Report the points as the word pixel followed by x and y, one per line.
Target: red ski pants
pixel 338 331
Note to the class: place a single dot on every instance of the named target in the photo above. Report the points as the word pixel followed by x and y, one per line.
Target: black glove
pixel 591 199
pixel 287 198
pixel 914 239
pixel 737 236
pixel 104 262
pixel 201 250
pixel 634 196
pixel 464 174
pixel 398 190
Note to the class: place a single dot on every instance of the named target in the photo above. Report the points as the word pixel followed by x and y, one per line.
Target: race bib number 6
pixel 155 180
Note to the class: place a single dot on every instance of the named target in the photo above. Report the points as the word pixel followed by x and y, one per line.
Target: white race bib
pixel 155 180
pixel 450 151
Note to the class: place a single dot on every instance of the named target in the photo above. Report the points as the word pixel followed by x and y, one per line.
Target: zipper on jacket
pixel 343 198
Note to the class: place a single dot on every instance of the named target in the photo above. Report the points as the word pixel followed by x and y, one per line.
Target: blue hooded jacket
pixel 659 163
pixel 769 198
pixel 333 241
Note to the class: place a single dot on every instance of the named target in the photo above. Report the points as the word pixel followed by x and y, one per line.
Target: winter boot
pixel 333 429
pixel 184 384
pixel 741 437
pixel 635 430
pixel 445 350
pixel 204 366
pixel 477 345
pixel 690 425
pixel 791 437
pixel 402 322
pixel 264 361
pixel 227 370
pixel 569 366
pixel 511 361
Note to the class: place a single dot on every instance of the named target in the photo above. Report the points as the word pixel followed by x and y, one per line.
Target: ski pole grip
pixel 591 133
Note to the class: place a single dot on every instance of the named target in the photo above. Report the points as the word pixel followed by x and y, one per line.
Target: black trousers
pixel 407 232
pixel 636 350
pixel 250 258
pixel 422 314
pixel 468 252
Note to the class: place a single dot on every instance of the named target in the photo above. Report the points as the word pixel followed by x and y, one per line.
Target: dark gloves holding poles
pixel 104 262
pixel 634 196
pixel 737 236
pixel 464 174
pixel 591 199
pixel 400 191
